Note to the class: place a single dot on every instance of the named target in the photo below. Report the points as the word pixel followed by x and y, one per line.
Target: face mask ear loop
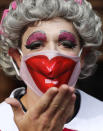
pixel 20 52
pixel 15 65
pixel 80 52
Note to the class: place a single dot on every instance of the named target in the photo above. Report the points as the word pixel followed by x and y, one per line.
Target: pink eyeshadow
pixel 67 36
pixel 36 36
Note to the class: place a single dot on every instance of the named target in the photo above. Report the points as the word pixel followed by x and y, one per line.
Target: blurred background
pixel 92 85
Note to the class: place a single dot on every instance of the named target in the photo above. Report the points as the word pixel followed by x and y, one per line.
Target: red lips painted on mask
pixel 49 73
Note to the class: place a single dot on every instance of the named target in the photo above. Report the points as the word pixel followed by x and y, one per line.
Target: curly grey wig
pixel 85 20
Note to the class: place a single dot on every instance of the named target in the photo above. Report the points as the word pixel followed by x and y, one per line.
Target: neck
pixel 29 99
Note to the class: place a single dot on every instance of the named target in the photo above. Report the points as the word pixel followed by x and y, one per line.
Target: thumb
pixel 16 107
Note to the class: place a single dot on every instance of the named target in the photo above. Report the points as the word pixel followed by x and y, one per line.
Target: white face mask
pixel 45 69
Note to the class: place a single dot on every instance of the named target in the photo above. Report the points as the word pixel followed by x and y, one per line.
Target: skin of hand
pixel 49 113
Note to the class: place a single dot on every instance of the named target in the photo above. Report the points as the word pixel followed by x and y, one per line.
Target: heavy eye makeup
pixel 67 40
pixel 36 40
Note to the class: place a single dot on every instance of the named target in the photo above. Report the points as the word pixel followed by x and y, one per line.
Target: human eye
pixel 67 44
pixel 34 45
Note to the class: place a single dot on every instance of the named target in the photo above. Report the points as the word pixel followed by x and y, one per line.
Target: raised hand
pixel 49 113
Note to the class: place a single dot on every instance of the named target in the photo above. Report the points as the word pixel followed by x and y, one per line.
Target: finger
pixel 44 101
pixel 66 112
pixel 16 107
pixel 68 103
pixel 60 100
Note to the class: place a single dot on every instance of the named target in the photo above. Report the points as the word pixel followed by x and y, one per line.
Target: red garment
pixel 65 129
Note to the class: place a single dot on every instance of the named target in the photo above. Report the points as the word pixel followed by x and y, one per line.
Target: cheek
pixel 24 50
pixel 69 52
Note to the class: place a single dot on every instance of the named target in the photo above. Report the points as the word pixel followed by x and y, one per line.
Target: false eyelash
pixel 68 44
pixel 34 45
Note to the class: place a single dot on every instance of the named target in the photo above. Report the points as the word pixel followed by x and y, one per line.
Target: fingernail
pixel 55 89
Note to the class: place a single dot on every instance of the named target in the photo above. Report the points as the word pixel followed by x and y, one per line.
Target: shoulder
pixel 90 115
pixel 91 106
pixel 6 114
pixel 6 118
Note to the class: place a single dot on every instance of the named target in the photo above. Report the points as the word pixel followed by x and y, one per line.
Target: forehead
pixel 52 26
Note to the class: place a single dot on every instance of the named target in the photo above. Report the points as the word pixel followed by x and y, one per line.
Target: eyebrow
pixel 62 31
pixel 72 36
pixel 36 33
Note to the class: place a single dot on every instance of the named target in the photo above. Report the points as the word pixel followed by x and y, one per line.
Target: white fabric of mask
pixel 27 78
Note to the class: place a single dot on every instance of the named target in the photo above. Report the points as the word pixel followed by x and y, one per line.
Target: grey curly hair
pixel 85 20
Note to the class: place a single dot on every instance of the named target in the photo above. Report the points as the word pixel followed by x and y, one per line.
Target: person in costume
pixel 49 44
